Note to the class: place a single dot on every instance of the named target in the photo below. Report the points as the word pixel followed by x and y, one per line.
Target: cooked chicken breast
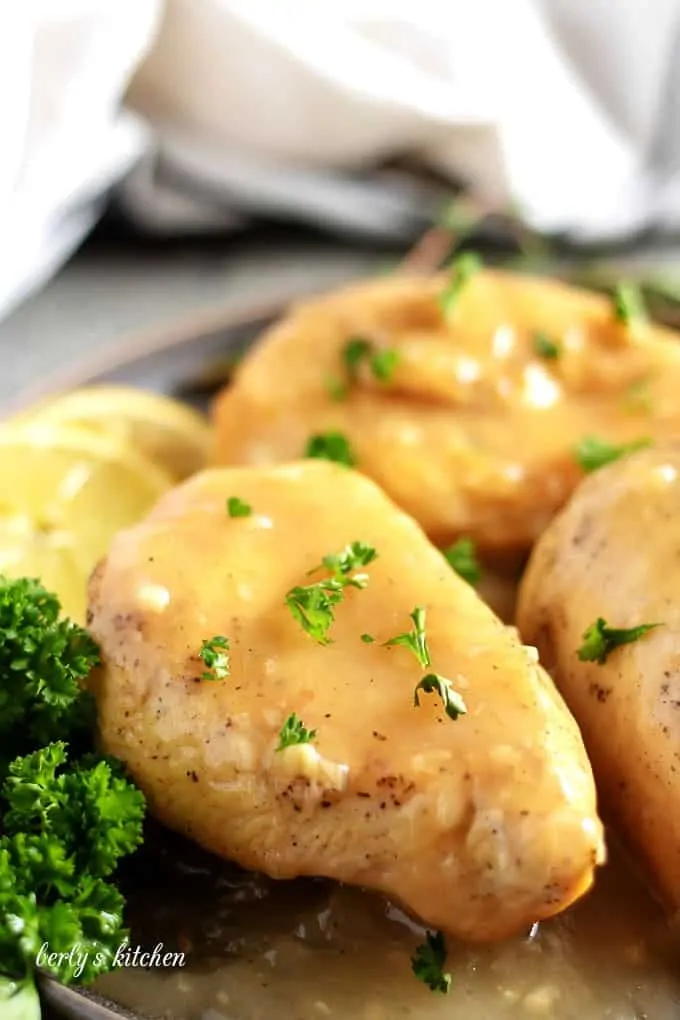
pixel 613 554
pixel 480 825
pixel 473 430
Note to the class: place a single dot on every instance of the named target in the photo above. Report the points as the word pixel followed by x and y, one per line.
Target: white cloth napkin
pixel 568 108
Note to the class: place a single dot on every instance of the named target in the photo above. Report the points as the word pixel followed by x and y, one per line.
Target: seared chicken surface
pixel 479 825
pixel 471 424
pixel 613 553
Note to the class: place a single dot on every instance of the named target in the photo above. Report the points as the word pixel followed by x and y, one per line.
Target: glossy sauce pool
pixel 308 950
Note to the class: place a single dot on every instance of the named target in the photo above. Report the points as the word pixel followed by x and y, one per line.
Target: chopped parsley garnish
pixel 462 556
pixel 367 639
pixel 354 555
pixel 355 351
pixel 381 362
pixel 428 963
pixel 592 453
pixel 293 732
pixel 544 347
pixel 462 269
pixel 629 305
pixel 415 640
pixel 452 701
pixel 312 604
pixel 331 446
pixel 237 508
pixel 214 654
pixel 599 640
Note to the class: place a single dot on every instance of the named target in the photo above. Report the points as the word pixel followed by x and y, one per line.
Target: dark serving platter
pixel 193 903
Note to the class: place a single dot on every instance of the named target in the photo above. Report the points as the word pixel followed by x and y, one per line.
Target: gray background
pixel 105 294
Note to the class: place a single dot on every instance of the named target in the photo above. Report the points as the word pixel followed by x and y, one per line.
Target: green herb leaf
pixel 293 732
pixel 592 453
pixel 367 639
pixel 237 508
pixel 312 604
pixel 452 701
pixel 382 362
pixel 544 347
pixel 43 661
pixel 331 446
pixel 354 352
pixel 415 640
pixel 462 556
pixel 599 640
pixel 428 963
pixel 462 269
pixel 629 305
pixel 214 654
pixel 354 555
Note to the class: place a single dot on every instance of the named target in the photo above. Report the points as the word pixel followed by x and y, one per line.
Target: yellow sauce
pixel 262 950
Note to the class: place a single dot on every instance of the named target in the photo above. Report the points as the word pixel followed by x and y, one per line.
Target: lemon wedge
pixel 64 493
pixel 169 433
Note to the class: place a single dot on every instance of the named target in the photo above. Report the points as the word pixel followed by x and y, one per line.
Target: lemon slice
pixel 172 435
pixel 64 493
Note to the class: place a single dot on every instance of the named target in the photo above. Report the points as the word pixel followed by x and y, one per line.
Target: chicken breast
pixel 612 554
pixel 479 825
pixel 473 432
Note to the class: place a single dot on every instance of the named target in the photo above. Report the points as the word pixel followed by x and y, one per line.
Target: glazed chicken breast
pixel 466 405
pixel 605 570
pixel 480 819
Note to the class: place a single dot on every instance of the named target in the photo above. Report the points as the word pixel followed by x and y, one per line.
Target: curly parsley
pixel 415 640
pixel 65 820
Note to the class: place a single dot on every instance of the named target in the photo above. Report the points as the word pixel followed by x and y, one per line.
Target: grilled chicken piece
pixel 480 825
pixel 613 553
pixel 474 431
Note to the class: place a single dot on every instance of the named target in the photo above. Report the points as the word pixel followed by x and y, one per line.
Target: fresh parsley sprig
pixel 600 640
pixel 65 820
